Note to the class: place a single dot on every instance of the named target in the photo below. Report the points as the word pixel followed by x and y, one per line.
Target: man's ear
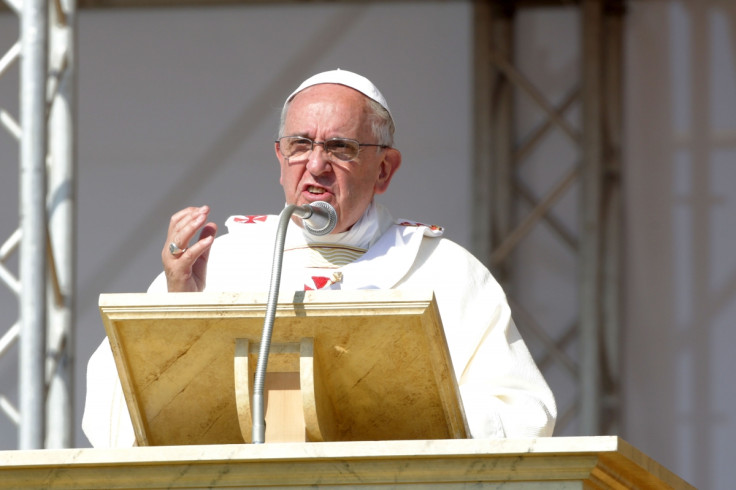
pixel 387 168
pixel 279 157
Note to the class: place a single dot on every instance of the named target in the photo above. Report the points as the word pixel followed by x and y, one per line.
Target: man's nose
pixel 319 159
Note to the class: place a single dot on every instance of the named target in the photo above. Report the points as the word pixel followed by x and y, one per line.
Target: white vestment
pixel 502 390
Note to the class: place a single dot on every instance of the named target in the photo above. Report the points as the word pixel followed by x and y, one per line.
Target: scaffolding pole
pixel 44 239
pixel 34 45
pixel 500 150
pixel 61 207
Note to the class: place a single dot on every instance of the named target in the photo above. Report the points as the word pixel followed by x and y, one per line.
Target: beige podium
pixel 363 366
pixel 344 366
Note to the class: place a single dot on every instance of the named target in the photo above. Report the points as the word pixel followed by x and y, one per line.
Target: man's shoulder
pixel 246 231
pixel 435 249
pixel 433 240
pixel 428 229
pixel 250 226
pixel 242 222
pixel 443 252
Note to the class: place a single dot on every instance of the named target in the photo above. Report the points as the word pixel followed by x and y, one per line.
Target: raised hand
pixel 185 265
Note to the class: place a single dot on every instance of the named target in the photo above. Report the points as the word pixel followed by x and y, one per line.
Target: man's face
pixel 330 111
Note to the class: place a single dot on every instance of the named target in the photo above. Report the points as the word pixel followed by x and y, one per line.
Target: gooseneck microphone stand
pixel 321 223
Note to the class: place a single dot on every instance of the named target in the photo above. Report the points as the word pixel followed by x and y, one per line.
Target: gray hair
pixel 382 125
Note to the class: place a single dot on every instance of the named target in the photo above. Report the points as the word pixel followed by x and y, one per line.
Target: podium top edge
pixel 260 298
pixel 280 451
pixel 444 447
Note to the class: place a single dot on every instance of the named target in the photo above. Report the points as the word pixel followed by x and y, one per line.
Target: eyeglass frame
pixel 313 143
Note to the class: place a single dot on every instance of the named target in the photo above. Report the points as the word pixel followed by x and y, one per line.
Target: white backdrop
pixel 179 107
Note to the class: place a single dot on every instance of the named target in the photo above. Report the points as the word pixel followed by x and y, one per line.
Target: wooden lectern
pixel 370 365
pixel 344 366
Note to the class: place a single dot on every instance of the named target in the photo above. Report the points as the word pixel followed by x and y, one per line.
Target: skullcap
pixel 348 79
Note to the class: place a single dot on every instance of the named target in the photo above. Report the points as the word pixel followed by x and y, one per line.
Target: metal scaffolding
pixel 44 239
pixel 508 211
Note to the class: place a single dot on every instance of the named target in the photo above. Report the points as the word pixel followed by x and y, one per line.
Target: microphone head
pixel 323 219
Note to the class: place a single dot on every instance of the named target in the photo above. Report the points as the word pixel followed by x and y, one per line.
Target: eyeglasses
pixel 344 149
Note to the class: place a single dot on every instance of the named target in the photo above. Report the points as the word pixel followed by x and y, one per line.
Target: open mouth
pixel 315 190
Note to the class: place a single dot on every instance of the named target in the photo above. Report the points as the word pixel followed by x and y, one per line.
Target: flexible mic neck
pixel 322 218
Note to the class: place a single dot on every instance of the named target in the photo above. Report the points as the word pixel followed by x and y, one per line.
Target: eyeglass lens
pixel 298 147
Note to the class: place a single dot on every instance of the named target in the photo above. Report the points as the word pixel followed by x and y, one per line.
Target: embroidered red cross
pixel 250 219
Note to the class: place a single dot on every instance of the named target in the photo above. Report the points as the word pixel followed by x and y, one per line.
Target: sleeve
pixel 106 420
pixel 158 285
pixel 503 392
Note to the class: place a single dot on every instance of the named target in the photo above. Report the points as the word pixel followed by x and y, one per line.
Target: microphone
pixel 318 218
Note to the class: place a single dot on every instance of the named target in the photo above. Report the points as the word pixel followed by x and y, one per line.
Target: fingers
pixel 201 247
pixel 184 224
pixel 186 269
pixel 206 237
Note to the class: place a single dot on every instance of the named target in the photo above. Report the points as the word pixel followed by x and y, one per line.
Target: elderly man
pixel 335 145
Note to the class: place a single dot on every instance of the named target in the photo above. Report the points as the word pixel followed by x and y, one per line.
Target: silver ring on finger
pixel 175 250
